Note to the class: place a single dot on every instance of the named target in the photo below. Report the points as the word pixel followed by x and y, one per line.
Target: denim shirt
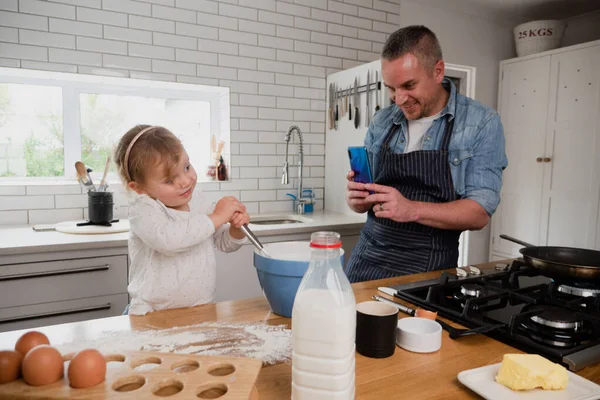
pixel 475 153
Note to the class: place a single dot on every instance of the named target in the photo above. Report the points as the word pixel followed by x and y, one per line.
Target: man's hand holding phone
pixel 359 175
pixel 356 195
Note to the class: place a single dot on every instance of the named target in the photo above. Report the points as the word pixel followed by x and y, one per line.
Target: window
pixel 31 131
pixel 48 120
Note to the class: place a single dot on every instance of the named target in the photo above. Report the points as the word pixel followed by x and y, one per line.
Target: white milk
pixel 323 334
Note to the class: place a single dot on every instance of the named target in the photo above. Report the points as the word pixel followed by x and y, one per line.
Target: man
pixel 437 159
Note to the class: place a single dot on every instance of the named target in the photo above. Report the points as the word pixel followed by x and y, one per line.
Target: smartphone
pixel 360 165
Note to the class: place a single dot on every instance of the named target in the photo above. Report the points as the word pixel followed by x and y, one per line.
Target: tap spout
pixel 288 136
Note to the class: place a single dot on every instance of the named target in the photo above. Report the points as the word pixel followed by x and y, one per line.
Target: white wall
pixel 581 29
pixel 467 40
pixel 273 54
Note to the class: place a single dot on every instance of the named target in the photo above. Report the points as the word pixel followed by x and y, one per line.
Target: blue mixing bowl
pixel 280 275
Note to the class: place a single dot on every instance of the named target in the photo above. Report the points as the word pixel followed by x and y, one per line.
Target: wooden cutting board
pixel 151 375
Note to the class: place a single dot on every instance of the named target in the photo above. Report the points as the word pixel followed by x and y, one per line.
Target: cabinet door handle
pixel 547 159
pixel 539 159
pixel 56 313
pixel 54 273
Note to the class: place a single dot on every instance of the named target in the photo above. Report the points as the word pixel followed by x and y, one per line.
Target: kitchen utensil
pixel 331 116
pixel 103 184
pixel 376 329
pixel 250 235
pixel 454 333
pixel 377 89
pixel 346 101
pixel 342 102
pixel 368 108
pixel 336 112
pixel 350 103
pixel 187 375
pixel 83 177
pixel 482 381
pixel 419 335
pixel 565 264
pixel 356 104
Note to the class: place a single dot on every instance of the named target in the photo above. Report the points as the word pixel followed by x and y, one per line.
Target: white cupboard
pixel 550 108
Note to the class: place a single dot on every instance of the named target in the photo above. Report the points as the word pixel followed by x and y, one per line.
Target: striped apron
pixel 387 248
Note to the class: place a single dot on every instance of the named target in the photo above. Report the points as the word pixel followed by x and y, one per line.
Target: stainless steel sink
pixel 277 220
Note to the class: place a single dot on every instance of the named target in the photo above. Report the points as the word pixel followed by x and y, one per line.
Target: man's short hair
pixel 417 40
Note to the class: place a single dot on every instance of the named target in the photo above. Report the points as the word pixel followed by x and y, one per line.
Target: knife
pixel 331 106
pixel 349 103
pixel 394 292
pixel 377 87
pixel 356 117
pixel 345 101
pixel 368 119
pixel 335 106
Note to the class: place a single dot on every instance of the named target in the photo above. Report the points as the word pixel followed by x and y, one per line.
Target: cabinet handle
pixel 54 273
pixel 539 159
pixel 547 159
pixel 56 313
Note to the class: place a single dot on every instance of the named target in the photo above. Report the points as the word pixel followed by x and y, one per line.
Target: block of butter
pixel 530 371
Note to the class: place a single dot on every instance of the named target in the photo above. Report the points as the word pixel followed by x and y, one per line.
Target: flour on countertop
pixel 269 343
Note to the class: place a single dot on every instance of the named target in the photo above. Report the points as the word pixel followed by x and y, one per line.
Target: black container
pixel 376 324
pixel 100 207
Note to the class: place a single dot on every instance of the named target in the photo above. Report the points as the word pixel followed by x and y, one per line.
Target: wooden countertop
pixel 405 374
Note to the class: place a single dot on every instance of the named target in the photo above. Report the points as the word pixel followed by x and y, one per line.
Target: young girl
pixel 174 228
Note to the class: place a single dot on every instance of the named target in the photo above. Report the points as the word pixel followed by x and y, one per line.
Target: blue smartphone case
pixel 360 165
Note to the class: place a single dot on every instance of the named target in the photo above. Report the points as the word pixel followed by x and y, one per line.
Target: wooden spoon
pixel 83 177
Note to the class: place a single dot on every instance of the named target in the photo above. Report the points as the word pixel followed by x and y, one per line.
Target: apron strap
pixel 447 133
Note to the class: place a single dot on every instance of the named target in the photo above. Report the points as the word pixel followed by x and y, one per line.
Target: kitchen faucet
pixel 284 178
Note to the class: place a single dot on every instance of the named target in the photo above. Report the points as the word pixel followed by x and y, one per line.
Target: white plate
pixel 483 382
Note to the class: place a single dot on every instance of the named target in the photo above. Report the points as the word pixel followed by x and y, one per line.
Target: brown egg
pixel 10 365
pixel 42 365
pixel 29 340
pixel 86 369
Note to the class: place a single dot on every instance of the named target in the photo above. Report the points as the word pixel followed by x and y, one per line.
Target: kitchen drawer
pixel 52 281
pixel 61 312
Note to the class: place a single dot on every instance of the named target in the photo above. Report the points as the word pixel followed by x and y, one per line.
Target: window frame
pixel 73 85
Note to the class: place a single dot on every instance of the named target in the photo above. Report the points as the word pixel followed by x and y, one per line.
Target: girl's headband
pixel 126 160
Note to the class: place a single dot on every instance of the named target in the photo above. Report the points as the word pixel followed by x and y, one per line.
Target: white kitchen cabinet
pixel 550 108
pixel 236 275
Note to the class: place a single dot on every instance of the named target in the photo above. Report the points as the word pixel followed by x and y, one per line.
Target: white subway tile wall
pixel 274 55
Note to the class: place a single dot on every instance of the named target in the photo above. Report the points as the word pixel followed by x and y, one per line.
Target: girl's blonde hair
pixel 156 146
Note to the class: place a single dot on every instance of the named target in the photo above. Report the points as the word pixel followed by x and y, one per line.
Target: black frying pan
pixel 562 263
